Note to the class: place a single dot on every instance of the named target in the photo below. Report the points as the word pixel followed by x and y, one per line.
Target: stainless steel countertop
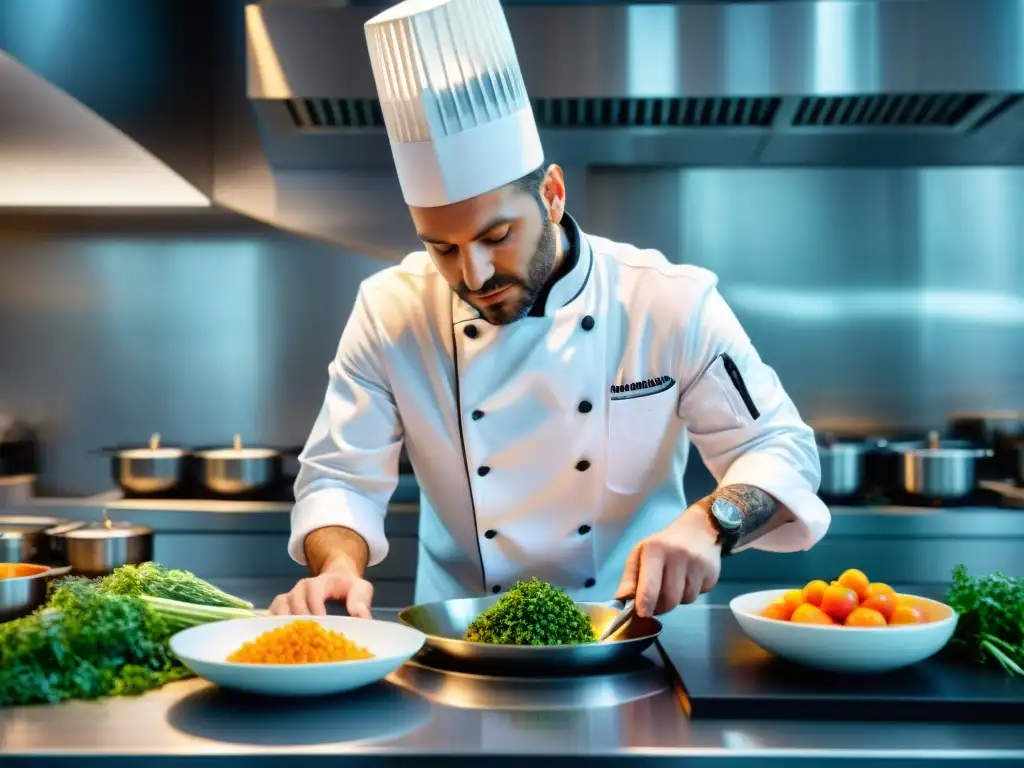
pixel 453 718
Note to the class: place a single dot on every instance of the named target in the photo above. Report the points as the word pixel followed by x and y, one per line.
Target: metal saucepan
pixel 445 624
pixel 1001 431
pixel 938 470
pixel 844 464
pixel 24 538
pixel 23 587
pixel 240 471
pixel 96 549
pixel 151 470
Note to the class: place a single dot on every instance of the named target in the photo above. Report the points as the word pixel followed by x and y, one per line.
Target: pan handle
pixel 56 573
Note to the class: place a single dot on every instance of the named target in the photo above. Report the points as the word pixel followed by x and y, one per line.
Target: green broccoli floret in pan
pixel 532 613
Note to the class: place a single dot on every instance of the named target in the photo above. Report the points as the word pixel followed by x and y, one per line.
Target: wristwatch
pixel 726 517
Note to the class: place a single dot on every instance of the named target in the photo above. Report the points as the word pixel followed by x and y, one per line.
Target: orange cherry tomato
pixel 838 602
pixel 778 611
pixel 810 614
pixel 793 599
pixel 814 591
pixel 865 617
pixel 855 580
pixel 878 588
pixel 906 614
pixel 883 603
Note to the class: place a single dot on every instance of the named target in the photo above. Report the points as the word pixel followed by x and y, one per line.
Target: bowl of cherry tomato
pixel 850 625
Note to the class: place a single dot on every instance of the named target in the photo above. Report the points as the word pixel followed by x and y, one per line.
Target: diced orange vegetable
pixel 301 642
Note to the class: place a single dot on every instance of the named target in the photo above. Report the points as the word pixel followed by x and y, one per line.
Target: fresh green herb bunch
pixel 84 644
pixel 532 613
pixel 991 618
pixel 157 580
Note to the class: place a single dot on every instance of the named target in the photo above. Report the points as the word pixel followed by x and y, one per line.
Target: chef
pixel 547 383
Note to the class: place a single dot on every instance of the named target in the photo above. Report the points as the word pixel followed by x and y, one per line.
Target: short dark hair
pixel 530 184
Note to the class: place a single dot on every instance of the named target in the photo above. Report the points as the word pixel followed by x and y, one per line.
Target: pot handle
pixel 56 573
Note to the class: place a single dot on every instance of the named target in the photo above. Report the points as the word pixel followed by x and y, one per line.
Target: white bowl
pixel 853 650
pixel 204 650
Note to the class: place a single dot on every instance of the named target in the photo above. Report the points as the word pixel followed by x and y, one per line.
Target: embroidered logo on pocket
pixel 641 388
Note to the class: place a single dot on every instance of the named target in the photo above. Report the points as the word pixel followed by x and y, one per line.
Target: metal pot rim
pixel 948 453
pixel 47 570
pixel 151 453
pixel 239 454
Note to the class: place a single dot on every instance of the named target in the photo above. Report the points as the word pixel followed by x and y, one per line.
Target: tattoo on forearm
pixel 756 506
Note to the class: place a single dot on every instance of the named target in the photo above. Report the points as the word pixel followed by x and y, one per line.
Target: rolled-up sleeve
pixel 349 465
pixel 743 423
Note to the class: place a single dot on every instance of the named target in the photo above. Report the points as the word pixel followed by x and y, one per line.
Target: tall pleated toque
pixel 453 98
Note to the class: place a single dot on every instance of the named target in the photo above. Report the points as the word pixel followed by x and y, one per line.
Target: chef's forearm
pixel 336 547
pixel 761 513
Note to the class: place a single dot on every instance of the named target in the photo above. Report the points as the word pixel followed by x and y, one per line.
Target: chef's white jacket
pixel 551 446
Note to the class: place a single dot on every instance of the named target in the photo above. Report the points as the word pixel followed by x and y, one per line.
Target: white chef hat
pixel 453 98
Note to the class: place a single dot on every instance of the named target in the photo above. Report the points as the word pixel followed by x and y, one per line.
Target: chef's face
pixel 498 250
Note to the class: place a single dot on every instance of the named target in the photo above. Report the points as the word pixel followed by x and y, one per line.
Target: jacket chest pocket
pixel 637 425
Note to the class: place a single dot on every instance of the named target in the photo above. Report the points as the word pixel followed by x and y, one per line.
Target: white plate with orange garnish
pixel 296 655
pixel 849 625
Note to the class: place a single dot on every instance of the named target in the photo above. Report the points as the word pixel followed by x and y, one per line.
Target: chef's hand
pixel 673 566
pixel 339 581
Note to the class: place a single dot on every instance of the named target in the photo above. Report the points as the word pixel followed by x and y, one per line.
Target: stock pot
pixel 96 549
pixel 150 470
pixel 842 465
pixel 239 471
pixel 938 470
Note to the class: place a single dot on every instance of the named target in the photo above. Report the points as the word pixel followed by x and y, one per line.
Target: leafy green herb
pixel 105 637
pixel 158 581
pixel 84 644
pixel 532 613
pixel 991 618
pixel 178 615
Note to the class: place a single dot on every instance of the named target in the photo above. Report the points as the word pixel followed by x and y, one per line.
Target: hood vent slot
pixel 333 114
pixel 314 114
pixel 891 111
pixel 656 113
pixel 949 111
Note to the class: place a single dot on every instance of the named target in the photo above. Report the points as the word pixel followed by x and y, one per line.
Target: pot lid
pixel 154 451
pixel 107 529
pixel 28 524
pixel 236 451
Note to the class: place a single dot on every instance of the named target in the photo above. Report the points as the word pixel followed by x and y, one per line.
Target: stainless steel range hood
pixel 832 82
pixel 721 84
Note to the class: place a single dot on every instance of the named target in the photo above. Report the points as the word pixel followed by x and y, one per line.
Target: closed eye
pixel 497 240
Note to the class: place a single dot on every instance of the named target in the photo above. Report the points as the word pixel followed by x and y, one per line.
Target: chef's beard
pixel 510 309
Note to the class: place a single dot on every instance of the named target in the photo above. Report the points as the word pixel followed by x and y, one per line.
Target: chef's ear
pixel 553 191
